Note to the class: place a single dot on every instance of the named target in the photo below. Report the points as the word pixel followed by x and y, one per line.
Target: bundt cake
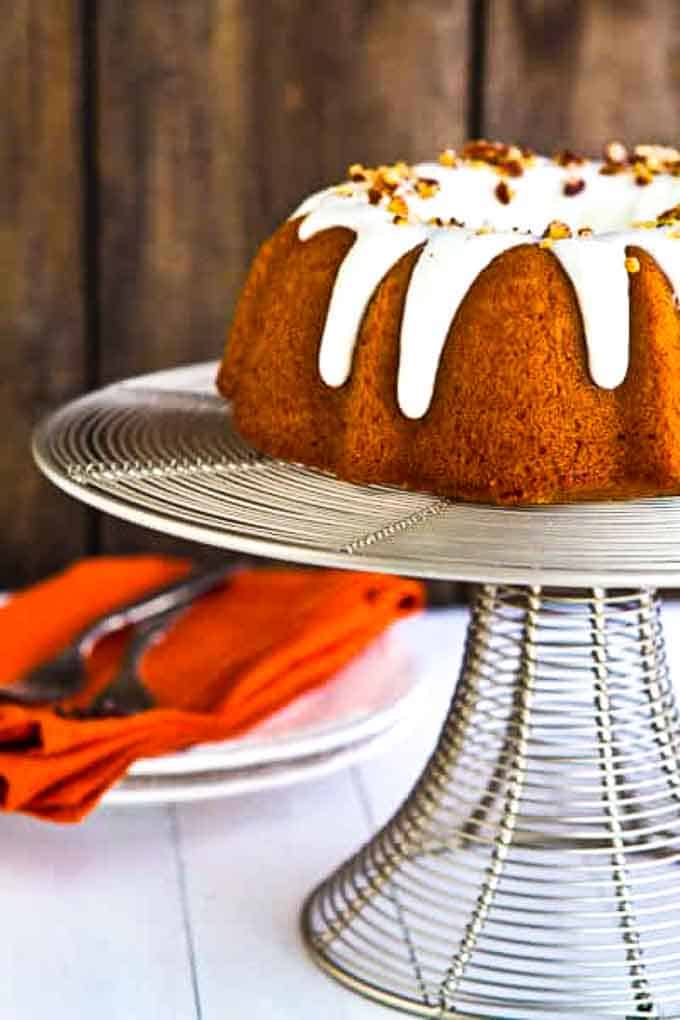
pixel 496 326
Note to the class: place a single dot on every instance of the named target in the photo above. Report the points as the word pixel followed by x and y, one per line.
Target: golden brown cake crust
pixel 515 417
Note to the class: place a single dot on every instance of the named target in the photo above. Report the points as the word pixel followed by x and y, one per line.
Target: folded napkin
pixel 236 656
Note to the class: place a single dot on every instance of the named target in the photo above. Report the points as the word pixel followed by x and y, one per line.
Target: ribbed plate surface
pixel 160 451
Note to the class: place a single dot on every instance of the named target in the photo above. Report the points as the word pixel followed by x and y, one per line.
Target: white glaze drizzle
pixel 452 258
pixel 377 248
pixel 597 269
pixel 432 300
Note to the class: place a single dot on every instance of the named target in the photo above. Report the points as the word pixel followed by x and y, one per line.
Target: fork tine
pixel 65 674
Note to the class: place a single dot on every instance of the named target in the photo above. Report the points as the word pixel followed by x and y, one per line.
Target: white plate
pixel 360 701
pixel 147 790
pixel 353 715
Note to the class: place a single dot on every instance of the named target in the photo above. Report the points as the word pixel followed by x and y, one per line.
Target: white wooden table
pixel 190 912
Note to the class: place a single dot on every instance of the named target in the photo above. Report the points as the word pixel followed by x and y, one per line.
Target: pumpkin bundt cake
pixel 495 326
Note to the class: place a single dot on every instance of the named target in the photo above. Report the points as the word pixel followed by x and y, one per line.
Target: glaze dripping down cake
pixel 495 326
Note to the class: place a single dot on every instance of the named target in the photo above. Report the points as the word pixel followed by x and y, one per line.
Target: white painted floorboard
pixel 91 920
pixel 191 912
pixel 249 864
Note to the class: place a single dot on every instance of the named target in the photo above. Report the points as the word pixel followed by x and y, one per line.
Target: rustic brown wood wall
pixel 146 146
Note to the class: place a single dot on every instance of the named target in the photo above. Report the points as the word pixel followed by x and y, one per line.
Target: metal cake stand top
pixel 159 450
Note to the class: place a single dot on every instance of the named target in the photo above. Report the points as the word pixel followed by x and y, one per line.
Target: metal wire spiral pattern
pixel 535 868
pixel 160 450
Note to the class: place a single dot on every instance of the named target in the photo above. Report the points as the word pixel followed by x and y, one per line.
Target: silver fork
pixel 127 694
pixel 64 675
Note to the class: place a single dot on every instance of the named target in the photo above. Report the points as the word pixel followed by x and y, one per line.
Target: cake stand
pixel 534 870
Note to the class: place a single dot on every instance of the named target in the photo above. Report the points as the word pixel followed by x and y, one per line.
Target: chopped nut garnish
pixel 437 221
pixel 565 157
pixel 357 172
pixel 503 193
pixel 547 242
pixel 392 185
pixel 632 264
pixel 399 221
pixel 513 168
pixel 643 174
pixel 585 232
pixel 427 187
pixel 656 157
pixel 398 206
pixel 615 153
pixel 556 230
pixel 507 159
pixel 645 161
pixel 669 217
pixel 448 157
pixel 389 177
pixel 573 185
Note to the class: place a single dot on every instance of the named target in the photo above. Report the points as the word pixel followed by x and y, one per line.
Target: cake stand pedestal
pixel 534 870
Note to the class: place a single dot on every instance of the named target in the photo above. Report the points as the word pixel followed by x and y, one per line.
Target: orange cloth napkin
pixel 236 656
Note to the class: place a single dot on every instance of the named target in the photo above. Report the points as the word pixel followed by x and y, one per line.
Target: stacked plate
pixel 363 709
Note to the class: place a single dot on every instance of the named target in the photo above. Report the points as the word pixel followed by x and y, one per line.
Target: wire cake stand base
pixel 534 870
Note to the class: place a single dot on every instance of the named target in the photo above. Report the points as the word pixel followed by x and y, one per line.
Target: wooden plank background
pixel 147 146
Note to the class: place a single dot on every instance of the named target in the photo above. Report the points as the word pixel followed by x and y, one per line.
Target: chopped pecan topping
pixel 656 157
pixel 387 178
pixel 546 242
pixel 427 186
pixel 507 159
pixel 448 157
pixel 374 196
pixel 644 160
pixel 565 157
pixel 573 185
pixel 615 153
pixel 669 217
pixel 503 193
pixel 398 206
pixel 357 172
pixel 437 221
pixel 612 168
pixel 513 168
pixel 642 174
pixel 556 230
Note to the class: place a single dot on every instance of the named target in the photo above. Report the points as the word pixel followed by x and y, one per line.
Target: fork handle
pixel 173 596
pixel 127 694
